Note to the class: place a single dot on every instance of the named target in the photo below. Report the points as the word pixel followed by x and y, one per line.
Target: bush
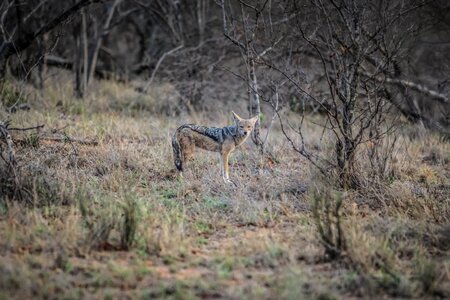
pixel 130 222
pixel 326 212
pixel 101 216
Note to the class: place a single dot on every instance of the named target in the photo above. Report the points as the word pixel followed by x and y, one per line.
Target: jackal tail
pixel 177 155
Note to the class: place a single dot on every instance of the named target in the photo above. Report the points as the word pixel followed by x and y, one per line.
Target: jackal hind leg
pixel 187 148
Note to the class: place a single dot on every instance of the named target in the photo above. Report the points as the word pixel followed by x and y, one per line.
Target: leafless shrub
pixel 32 186
pixel 359 58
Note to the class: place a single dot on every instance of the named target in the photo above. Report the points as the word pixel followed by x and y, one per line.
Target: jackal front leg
pixel 224 167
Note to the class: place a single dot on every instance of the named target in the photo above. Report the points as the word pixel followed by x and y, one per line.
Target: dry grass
pixel 113 220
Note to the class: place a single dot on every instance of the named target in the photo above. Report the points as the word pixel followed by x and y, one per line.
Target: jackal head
pixel 244 126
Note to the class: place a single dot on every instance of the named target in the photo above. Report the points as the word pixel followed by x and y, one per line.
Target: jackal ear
pixel 254 120
pixel 236 117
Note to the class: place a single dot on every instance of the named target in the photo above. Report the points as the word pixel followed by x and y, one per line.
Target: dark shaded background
pixel 197 46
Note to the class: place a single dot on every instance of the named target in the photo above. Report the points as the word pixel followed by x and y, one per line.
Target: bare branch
pixel 10 47
pixel 160 60
pixel 27 128
pixel 444 99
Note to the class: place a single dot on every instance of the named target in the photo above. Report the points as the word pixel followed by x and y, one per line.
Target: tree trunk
pixel 255 107
pixel 98 44
pixel 77 65
pixel 84 50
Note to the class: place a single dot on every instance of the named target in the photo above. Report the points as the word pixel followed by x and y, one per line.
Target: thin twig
pixel 26 128
pixel 67 138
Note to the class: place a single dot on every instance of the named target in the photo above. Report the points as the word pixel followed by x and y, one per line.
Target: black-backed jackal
pixel 223 140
